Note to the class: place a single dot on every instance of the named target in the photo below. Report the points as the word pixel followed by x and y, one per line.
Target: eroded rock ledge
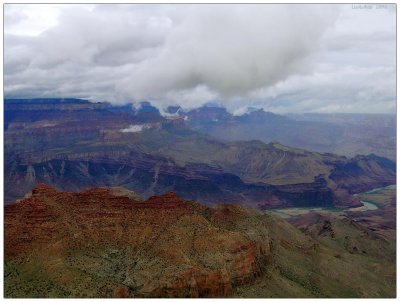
pixel 161 247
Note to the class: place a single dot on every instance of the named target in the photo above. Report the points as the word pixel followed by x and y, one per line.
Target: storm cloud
pixel 321 58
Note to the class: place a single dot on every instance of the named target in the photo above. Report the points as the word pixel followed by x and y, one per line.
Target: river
pixel 369 205
pixel 290 212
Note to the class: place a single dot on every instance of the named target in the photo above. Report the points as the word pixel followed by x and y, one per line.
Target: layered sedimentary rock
pixel 74 144
pixel 169 247
pixel 104 242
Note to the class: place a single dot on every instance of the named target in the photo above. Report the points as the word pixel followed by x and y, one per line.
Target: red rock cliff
pixel 169 247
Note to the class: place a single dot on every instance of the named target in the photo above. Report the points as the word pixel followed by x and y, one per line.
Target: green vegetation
pixel 29 280
pixel 326 266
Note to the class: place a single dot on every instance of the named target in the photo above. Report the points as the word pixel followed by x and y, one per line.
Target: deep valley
pixel 118 201
pixel 74 144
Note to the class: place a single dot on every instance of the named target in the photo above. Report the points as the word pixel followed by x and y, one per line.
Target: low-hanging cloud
pixel 172 54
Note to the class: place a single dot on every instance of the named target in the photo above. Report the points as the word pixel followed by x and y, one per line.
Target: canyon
pixel 74 144
pixel 107 201
pixel 105 242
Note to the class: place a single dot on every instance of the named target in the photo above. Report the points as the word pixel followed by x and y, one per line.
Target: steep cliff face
pixel 149 175
pixel 105 165
pixel 351 175
pixel 172 248
pixel 103 242
pixel 74 144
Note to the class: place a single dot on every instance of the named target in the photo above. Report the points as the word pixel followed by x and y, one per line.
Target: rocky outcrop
pixel 104 243
pixel 345 232
pixel 363 173
pixel 171 247
pixel 148 175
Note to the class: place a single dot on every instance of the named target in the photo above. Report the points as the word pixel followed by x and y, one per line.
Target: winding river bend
pixel 369 206
pixel 290 212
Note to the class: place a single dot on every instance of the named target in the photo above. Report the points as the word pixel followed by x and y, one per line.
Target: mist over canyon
pixel 199 150
pixel 74 144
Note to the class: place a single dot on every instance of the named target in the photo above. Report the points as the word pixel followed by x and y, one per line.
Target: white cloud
pixel 335 89
pixel 280 57
pixel 133 128
pixel 33 19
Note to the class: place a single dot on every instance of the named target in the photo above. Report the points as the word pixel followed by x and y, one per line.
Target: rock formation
pixel 171 248
pixel 103 242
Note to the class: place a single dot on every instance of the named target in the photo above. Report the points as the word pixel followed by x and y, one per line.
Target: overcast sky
pixel 283 58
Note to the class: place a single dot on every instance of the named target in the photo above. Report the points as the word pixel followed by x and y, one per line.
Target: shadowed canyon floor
pixel 104 242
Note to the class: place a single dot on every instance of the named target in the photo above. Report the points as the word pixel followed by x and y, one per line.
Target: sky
pixel 284 58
